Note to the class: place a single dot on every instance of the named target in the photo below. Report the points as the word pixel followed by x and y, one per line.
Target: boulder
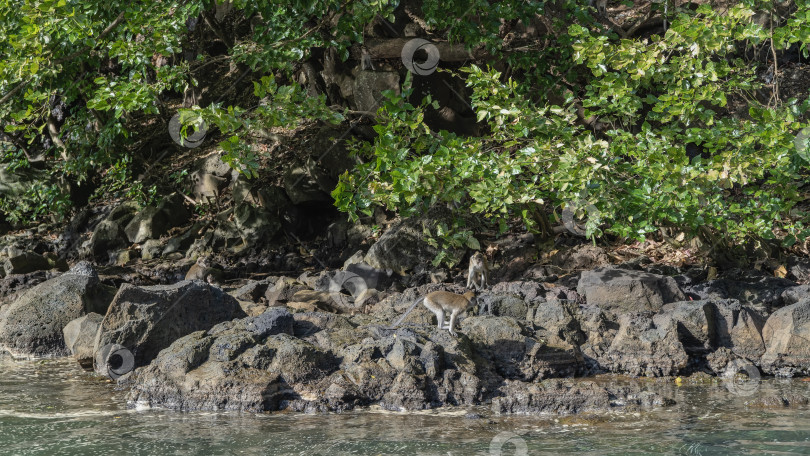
pixel 148 319
pixel 557 320
pixel 108 236
pixel 787 341
pixel 581 257
pixel 155 221
pixel 402 248
pixel 32 325
pixel 256 223
pixel 80 336
pixel 739 328
pixel 565 397
pixel 695 323
pixel 251 364
pixel 625 290
pixel 25 262
pixel 753 289
pixel 646 347
pixel 515 353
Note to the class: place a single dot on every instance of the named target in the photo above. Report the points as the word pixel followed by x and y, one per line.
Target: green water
pixel 53 407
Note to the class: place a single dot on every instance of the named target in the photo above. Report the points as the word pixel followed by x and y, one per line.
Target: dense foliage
pixel 698 85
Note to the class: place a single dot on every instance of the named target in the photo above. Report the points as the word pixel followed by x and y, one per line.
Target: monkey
pixel 201 270
pixel 478 270
pixel 440 302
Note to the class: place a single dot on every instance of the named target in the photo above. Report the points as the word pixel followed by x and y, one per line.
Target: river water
pixel 50 407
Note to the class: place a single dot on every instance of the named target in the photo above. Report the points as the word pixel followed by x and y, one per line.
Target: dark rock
pixel 253 291
pixel 153 222
pixel 146 320
pixel 107 236
pixel 256 223
pixel 795 294
pixel 752 289
pixel 558 321
pixel 628 291
pixel 274 321
pixel 25 263
pixel 798 269
pixel 32 325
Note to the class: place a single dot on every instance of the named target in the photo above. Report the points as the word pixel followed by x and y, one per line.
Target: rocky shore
pixel 323 341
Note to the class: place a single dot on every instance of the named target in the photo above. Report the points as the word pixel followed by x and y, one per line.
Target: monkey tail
pixel 396 323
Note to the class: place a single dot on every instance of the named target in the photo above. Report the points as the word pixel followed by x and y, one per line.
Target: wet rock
pixel 777 400
pixel 787 341
pixel 628 290
pixel 80 336
pixel 148 319
pixel 32 325
pixel 568 397
pixel 646 347
pixel 233 367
